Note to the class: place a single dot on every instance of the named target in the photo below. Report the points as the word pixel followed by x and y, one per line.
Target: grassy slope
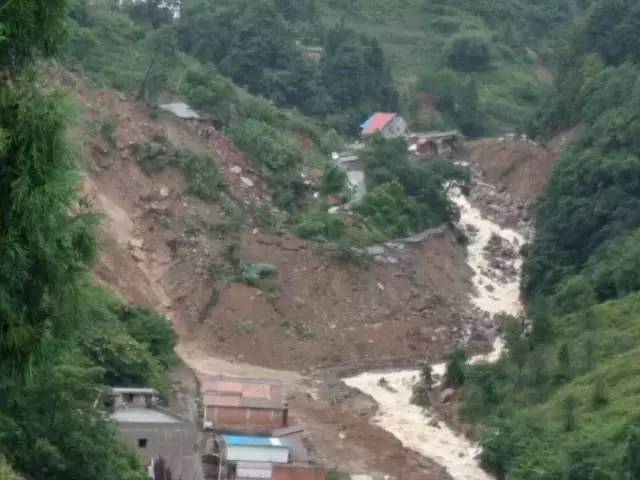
pixel 414 37
pixel 114 52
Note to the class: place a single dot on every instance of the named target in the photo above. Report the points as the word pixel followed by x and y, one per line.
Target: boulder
pixel 448 395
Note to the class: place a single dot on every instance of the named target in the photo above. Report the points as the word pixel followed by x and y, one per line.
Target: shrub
pixel 268 149
pixel 152 330
pixel 389 210
pixel 334 181
pixel 109 129
pixel 456 367
pixel 319 225
pixel 255 274
pixel 204 179
pixel 469 53
pixel 209 91
pixel 245 327
pixel 273 153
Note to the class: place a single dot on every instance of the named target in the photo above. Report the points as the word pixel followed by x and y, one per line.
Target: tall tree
pixel 44 249
pixel 632 457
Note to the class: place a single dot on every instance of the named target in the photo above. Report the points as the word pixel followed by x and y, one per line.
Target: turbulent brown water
pixel 411 424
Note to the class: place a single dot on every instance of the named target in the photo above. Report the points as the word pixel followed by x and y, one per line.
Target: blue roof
pixel 251 441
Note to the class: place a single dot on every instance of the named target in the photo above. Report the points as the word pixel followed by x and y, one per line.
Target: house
pixel 435 143
pixel 132 397
pixel 273 458
pixel 314 53
pixel 254 449
pixel 156 433
pixel 244 405
pixel 389 125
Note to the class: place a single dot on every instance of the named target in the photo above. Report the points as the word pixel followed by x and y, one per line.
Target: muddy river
pixel 494 292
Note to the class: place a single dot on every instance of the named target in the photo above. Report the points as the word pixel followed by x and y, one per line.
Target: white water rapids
pixel 411 424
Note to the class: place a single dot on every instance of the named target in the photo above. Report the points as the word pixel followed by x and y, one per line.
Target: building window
pixel 142 443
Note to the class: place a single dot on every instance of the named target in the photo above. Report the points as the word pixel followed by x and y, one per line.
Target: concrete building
pixel 244 405
pixel 435 143
pixel 389 125
pixel 272 458
pixel 314 54
pixel 155 432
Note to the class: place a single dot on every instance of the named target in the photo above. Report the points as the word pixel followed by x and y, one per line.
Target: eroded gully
pixel 493 293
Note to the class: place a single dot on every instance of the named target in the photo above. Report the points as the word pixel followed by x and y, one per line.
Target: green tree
pixel 564 371
pixel 162 48
pixel 152 330
pixel 469 53
pixel 45 251
pixel 517 344
pixel 632 456
pixel 30 28
pixel 568 413
pixel 456 368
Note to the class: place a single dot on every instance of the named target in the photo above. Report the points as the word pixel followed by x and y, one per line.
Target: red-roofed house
pixel 389 125
pixel 244 405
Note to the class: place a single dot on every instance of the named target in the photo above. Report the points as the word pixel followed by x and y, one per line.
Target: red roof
pixel 377 122
pixel 252 393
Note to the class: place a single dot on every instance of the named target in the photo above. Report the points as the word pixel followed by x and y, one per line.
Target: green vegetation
pixel 130 49
pixel 204 179
pixel 254 43
pixel 61 337
pixel 562 402
pixel 486 42
pixel 404 196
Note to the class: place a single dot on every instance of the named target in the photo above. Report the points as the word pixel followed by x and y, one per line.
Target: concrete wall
pixel 175 442
pixel 141 400
pixel 292 472
pixel 250 453
pixel 396 128
pixel 246 418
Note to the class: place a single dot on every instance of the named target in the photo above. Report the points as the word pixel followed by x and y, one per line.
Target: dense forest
pixel 472 59
pixel 563 401
pixel 62 338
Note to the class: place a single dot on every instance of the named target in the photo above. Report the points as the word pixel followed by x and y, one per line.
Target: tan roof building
pixel 244 405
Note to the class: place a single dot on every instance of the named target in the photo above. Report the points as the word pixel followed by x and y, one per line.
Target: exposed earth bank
pixel 167 250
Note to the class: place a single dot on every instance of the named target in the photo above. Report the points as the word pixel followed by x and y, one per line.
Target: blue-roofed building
pixel 239 448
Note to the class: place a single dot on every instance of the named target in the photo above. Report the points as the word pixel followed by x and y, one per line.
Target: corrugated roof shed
pixel 143 415
pixel 181 110
pixel 251 441
pixel 376 123
pixel 139 391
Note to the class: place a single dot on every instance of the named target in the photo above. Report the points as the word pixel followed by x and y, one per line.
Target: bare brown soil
pixel 519 167
pixel 513 173
pixel 167 250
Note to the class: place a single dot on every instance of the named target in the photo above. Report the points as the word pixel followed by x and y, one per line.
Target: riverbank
pixel 493 255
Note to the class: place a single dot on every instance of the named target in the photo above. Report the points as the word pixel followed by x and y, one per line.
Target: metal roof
pixel 256 465
pixel 243 393
pixel 181 110
pixel 143 415
pixel 377 122
pixel 249 441
pixel 213 400
pixel 439 135
pixel 297 449
pixel 128 390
